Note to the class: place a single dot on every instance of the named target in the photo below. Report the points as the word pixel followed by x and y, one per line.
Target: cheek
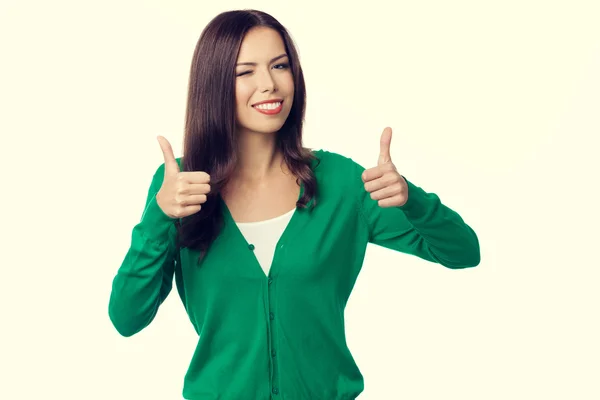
pixel 242 98
pixel 243 92
pixel 285 83
pixel 288 84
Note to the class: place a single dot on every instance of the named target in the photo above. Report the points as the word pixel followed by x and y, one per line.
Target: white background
pixel 495 106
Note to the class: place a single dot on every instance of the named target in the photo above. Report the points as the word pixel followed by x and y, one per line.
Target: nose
pixel 266 82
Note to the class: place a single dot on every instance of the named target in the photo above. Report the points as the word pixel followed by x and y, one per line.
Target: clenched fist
pixel 384 182
pixel 182 193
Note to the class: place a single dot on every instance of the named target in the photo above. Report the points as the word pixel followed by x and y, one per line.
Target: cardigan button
pixel 271 316
pixel 251 246
pixel 275 390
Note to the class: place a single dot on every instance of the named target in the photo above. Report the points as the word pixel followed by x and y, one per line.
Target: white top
pixel 264 235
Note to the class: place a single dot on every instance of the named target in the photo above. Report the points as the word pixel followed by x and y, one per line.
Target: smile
pixel 269 108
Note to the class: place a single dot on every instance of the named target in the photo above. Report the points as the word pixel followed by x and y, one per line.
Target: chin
pixel 267 130
pixel 267 127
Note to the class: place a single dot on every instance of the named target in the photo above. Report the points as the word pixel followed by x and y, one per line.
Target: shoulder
pixel 338 171
pixel 333 163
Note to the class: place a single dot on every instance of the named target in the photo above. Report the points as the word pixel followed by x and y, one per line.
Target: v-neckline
pixel 280 243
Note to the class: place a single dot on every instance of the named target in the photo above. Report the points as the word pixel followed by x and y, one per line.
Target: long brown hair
pixel 210 125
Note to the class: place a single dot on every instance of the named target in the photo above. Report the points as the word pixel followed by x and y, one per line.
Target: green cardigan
pixel 280 336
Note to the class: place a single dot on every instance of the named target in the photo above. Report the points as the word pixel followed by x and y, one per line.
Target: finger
pixel 194 188
pixel 379 183
pixel 384 146
pixel 191 200
pixel 377 172
pixel 187 211
pixel 393 201
pixel 197 177
pixel 171 166
pixel 387 192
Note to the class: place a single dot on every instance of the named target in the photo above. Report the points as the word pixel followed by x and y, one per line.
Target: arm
pixel 423 227
pixel 145 277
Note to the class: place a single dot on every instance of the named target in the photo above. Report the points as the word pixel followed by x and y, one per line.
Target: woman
pixel 264 238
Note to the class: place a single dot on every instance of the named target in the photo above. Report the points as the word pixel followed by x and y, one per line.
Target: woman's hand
pixel 384 182
pixel 182 193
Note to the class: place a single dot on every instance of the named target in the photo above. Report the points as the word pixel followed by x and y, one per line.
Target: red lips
pixel 270 111
pixel 268 101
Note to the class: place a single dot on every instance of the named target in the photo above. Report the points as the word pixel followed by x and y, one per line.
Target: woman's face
pixel 263 74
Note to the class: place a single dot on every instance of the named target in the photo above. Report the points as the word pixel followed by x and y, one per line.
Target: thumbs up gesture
pixel 182 193
pixel 383 182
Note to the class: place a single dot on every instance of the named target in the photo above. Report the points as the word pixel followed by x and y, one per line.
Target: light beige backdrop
pixel 495 106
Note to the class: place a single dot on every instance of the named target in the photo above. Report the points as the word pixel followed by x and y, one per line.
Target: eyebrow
pixel 272 60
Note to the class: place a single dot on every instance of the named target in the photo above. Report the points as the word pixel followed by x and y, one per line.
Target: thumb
pixel 171 166
pixel 384 146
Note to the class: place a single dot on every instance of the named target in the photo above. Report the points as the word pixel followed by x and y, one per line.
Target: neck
pixel 258 157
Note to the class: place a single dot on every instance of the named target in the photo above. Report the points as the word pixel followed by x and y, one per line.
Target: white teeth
pixel 268 106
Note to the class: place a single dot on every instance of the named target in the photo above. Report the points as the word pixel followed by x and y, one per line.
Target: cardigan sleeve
pixel 145 277
pixel 423 227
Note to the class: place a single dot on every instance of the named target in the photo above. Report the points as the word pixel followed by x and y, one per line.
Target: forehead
pixel 260 45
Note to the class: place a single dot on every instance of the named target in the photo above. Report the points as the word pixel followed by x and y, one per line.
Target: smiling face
pixel 263 74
